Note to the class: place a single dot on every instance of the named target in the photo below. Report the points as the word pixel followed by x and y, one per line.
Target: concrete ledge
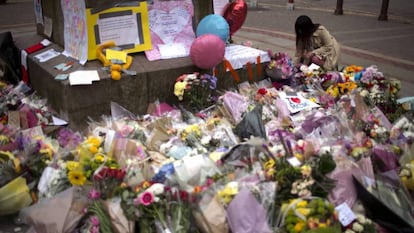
pixel 154 81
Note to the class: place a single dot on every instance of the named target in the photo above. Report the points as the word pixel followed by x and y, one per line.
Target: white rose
pixel 357 227
pixel 361 218
pixel 156 189
pixel 364 93
pixel 205 140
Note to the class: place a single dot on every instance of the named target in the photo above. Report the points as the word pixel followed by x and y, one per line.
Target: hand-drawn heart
pixel 168 24
pixel 295 100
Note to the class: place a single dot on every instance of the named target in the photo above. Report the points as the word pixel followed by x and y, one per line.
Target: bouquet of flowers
pixel 280 67
pixel 310 215
pixel 198 90
pixel 381 92
pixel 157 208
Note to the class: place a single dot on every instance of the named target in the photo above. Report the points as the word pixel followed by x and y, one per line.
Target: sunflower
pixel 76 177
pixel 347 87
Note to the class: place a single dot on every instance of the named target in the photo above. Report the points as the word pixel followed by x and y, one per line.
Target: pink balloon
pixel 235 14
pixel 207 51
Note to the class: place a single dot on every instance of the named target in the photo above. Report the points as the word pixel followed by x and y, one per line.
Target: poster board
pixel 171 26
pixel 128 26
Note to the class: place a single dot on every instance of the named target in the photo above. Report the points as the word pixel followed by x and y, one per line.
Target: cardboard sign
pixel 128 26
pixel 172 32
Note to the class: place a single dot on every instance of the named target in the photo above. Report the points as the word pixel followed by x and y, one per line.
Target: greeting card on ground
pixel 296 102
pixel 171 27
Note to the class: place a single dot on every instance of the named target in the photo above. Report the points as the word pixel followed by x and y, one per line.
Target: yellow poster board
pixel 128 26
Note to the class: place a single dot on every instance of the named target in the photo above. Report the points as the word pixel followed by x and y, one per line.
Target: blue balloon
pixel 214 24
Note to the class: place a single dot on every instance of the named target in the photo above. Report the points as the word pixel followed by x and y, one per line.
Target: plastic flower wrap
pixel 60 213
pixel 14 196
pixel 54 179
pixel 309 215
pixel 253 220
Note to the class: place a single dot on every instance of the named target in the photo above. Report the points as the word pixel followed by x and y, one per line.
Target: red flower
pixel 262 91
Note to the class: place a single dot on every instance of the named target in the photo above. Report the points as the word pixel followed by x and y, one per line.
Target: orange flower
pixel 197 189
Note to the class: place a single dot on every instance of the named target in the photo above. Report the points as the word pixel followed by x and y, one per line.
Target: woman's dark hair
pixel 304 28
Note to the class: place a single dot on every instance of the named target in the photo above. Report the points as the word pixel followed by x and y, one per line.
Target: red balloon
pixel 235 14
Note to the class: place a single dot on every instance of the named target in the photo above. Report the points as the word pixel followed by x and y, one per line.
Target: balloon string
pixel 259 67
pixel 228 66
pixel 249 71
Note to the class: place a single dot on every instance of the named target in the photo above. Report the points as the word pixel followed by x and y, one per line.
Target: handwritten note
pixel 346 215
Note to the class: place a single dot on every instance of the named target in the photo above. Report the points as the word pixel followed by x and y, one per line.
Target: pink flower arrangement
pixel 145 198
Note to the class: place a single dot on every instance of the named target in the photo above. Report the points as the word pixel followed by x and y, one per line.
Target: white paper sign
pixel 346 215
pixel 121 29
pixel 172 50
pixel 83 77
pixel 47 55
pixel 170 23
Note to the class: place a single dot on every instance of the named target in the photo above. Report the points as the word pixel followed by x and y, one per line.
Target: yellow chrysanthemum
pixel 93 149
pixel 229 191
pixel 76 177
pixel 179 88
pixel 100 158
pixel 93 140
pixel 72 165
pixel 306 170
pixel 47 151
pixel 302 204
pixel 269 164
pixel 333 90
pixel 303 211
pixel 299 226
